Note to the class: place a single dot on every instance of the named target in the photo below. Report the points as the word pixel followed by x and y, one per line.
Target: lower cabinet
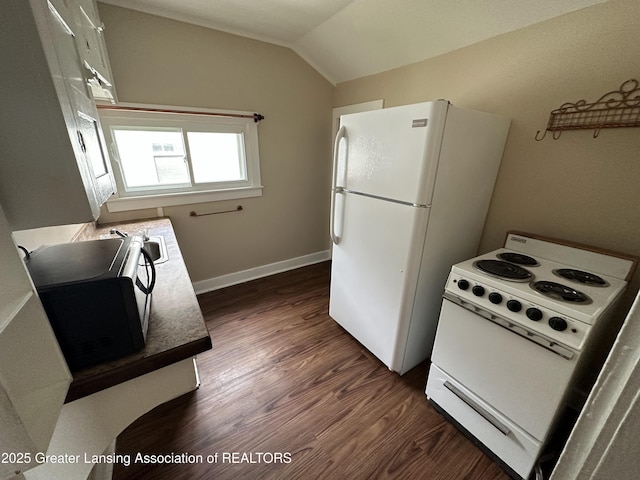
pixel 34 377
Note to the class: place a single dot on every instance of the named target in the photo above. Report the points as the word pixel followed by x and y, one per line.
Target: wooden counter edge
pixel 85 387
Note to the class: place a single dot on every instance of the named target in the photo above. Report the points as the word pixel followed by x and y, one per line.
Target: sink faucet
pixel 115 231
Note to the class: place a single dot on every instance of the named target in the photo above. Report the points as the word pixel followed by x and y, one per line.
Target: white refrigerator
pixel 410 194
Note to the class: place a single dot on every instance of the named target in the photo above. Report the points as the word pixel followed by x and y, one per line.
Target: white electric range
pixel 518 327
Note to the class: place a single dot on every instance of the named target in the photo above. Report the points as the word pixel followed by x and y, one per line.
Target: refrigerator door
pixel 374 272
pixel 392 153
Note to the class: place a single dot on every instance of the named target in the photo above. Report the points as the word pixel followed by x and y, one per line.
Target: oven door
pixel 517 377
pixel 506 440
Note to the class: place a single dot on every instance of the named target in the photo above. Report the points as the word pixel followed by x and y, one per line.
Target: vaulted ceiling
pixel 347 39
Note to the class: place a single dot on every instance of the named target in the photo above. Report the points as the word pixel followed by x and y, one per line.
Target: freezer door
pixel 374 274
pixel 392 153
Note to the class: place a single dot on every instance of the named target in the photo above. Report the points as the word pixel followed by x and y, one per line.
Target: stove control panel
pixel 489 301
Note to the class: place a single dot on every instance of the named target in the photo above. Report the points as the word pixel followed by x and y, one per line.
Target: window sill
pixel 124 204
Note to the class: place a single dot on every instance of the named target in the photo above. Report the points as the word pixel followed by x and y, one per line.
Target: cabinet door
pixel 67 54
pixel 93 146
pixel 92 156
pixel 93 49
pixel 89 37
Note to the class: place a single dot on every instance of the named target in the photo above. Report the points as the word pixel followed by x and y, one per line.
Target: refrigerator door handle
pixel 335 190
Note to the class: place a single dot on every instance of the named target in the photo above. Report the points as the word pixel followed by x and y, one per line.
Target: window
pixel 161 158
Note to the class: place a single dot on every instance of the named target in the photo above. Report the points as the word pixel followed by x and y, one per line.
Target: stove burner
pixel 579 276
pixel 561 292
pixel 518 258
pixel 504 270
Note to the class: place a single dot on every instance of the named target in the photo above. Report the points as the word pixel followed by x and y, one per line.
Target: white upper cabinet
pixel 54 168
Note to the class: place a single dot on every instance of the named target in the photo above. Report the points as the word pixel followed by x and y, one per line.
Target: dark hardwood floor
pixel 287 387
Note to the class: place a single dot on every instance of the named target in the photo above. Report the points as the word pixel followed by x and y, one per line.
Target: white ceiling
pixel 347 39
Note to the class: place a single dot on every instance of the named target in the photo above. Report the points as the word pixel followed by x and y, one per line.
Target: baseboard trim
pixel 243 276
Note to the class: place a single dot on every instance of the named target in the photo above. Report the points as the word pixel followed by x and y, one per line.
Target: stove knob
pixel 495 298
pixel 478 290
pixel 557 323
pixel 514 305
pixel 534 314
pixel 463 284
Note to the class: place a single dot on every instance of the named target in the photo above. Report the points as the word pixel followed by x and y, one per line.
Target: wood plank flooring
pixel 290 389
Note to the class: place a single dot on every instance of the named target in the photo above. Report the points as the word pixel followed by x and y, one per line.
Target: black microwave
pixel 97 295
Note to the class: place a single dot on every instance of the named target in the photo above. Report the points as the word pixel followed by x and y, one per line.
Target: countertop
pixel 176 327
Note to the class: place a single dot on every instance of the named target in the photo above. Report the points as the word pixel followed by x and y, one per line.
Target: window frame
pixel 187 119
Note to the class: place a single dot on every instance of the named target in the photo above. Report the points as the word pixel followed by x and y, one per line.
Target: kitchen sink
pixel 157 249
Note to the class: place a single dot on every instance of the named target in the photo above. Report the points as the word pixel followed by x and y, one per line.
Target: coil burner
pixel 580 276
pixel 504 270
pixel 518 259
pixel 561 292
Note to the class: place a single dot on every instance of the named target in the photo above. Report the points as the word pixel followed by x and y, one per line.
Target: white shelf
pixel 34 377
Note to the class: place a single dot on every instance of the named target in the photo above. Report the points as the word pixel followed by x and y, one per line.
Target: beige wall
pixel 160 61
pixel 576 188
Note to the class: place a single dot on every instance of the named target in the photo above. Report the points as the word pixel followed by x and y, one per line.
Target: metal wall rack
pixel 616 109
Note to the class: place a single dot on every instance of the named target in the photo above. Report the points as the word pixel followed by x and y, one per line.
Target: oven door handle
pixel 477 408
